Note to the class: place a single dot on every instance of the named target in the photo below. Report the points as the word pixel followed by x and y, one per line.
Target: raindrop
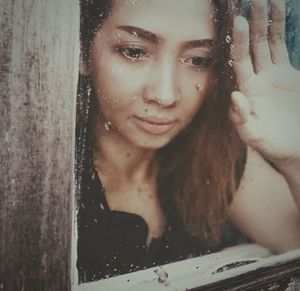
pixel 228 38
pixel 101 206
pixel 108 125
pixel 230 63
pixel 199 87
pixel 134 34
pixel 89 90
pixel 96 220
pixel 162 275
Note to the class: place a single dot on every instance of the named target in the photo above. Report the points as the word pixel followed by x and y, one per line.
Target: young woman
pixel 183 127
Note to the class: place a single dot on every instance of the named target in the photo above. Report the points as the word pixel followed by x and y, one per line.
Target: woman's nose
pixel 162 88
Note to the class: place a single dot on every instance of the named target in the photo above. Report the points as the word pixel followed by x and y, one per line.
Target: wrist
pixel 290 169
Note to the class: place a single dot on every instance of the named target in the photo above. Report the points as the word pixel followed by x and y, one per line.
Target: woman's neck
pixel 121 160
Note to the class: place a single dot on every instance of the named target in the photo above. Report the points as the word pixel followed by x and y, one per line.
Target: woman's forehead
pixel 186 19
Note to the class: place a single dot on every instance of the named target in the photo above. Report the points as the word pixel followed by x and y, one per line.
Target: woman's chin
pixel 153 143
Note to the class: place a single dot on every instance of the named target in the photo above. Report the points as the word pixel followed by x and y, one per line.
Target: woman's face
pixel 151 66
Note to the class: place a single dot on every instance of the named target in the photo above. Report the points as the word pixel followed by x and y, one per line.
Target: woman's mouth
pixel 154 125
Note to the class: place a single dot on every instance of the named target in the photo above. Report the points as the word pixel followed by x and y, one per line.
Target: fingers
pixel 259 35
pixel 278 47
pixel 255 49
pixel 240 54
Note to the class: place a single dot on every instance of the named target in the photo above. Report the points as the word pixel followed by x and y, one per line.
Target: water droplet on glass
pixel 89 90
pixel 108 125
pixel 198 87
pixel 162 275
pixel 181 60
pixel 228 38
pixel 230 63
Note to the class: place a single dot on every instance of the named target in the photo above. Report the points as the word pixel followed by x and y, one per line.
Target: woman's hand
pixel 266 109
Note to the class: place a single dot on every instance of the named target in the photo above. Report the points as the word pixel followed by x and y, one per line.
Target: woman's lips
pixel 154 125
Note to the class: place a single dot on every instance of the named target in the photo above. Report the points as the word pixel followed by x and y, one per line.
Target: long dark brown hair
pixel 202 166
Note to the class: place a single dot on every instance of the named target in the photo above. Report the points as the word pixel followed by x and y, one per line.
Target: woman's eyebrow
pixel 150 36
pixel 208 43
pixel 137 31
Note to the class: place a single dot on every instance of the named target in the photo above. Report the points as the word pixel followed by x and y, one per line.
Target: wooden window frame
pixel 212 272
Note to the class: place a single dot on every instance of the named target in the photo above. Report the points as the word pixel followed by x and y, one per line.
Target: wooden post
pixel 39 58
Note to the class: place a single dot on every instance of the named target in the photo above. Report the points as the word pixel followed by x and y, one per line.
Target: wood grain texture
pixel 38 77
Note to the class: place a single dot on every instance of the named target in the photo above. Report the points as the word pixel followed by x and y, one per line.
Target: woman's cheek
pixel 121 81
pixel 194 87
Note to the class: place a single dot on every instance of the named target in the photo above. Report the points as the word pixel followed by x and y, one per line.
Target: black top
pixel 113 242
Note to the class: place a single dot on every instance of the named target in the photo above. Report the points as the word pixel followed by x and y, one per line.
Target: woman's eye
pixel 134 53
pixel 199 62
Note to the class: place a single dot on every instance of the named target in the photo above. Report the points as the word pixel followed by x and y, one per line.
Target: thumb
pixel 239 108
